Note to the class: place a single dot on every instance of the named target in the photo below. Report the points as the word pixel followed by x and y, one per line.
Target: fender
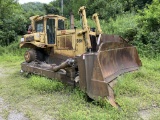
pixel 32 45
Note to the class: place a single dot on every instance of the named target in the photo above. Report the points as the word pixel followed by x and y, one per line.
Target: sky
pixel 42 1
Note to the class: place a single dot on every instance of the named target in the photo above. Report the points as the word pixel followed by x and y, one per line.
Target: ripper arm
pixel 96 20
pixel 86 29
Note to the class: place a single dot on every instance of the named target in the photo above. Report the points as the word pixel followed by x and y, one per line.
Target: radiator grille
pixel 64 42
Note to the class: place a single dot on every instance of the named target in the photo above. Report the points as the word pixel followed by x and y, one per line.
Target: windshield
pixel 39 26
pixel 61 25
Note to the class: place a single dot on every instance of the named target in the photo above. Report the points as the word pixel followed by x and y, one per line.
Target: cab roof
pixel 37 17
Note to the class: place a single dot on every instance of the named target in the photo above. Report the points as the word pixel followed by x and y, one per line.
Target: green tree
pixel 31 9
pixel 149 28
pixel 52 8
pixel 10 18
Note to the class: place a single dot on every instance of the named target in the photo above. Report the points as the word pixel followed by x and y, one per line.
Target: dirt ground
pixel 10 114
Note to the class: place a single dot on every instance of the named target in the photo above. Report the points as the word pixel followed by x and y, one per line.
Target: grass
pixel 45 85
pixel 40 98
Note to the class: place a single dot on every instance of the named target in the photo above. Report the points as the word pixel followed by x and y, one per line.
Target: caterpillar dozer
pixel 85 57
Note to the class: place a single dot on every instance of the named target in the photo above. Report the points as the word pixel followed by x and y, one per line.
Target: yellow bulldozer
pixel 84 57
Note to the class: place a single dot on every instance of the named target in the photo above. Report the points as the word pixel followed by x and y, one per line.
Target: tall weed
pixel 42 84
pixel 14 48
pixel 124 25
pixel 2 50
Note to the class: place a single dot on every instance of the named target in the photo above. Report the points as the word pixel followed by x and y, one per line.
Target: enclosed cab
pixel 49 35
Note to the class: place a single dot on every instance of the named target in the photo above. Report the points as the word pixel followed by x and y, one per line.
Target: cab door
pixel 50 31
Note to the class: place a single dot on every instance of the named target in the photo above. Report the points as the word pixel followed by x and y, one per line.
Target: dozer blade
pixel 98 70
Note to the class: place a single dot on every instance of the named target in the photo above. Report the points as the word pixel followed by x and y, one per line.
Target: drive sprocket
pixel 30 55
pixel 33 55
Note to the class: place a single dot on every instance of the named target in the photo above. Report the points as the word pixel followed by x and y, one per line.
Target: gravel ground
pixel 6 113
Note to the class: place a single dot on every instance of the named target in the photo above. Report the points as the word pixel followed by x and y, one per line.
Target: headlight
pixel 22 39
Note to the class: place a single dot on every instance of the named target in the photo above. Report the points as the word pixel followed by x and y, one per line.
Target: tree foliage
pixel 35 7
pixel 31 9
pixel 11 21
pixel 15 17
pixel 106 8
pixel 52 8
pixel 133 19
pixel 149 27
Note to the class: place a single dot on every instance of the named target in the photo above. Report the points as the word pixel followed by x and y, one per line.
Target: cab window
pixel 61 25
pixel 39 26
